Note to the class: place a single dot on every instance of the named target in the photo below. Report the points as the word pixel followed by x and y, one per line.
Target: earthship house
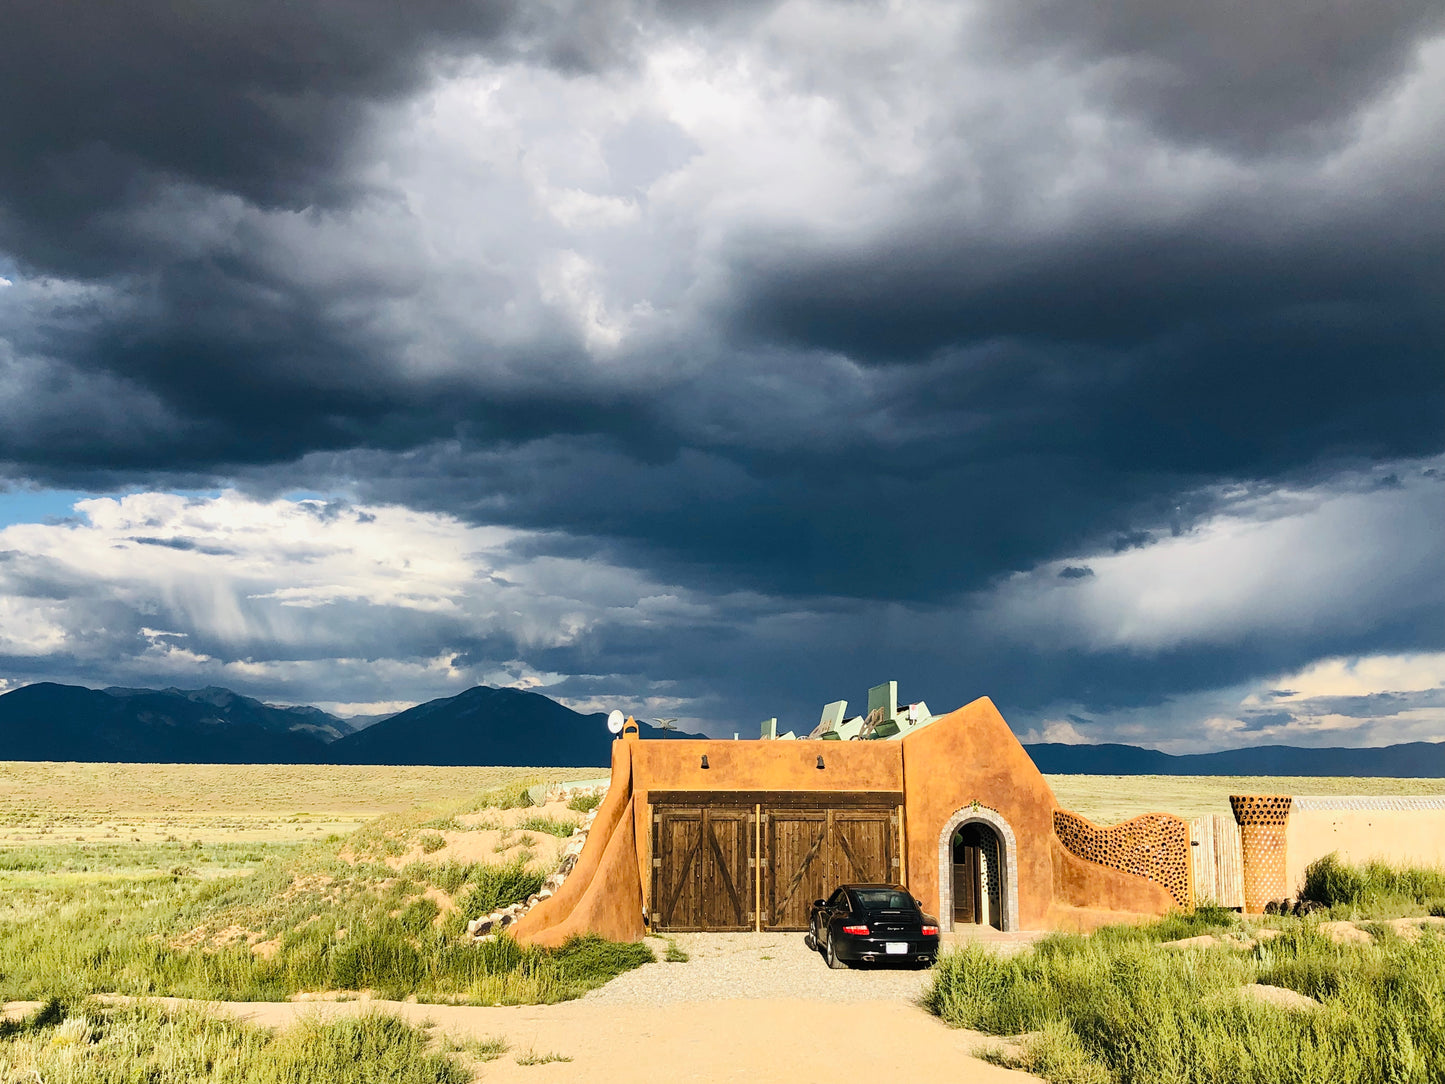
pixel 744 835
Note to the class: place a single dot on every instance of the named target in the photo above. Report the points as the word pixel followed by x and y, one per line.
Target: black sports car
pixel 869 923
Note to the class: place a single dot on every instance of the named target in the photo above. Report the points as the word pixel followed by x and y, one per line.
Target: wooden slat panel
pixel 1228 861
pixel 726 876
pixel 677 889
pixel 797 866
pixel 862 851
pixel 1216 861
pixel 1201 859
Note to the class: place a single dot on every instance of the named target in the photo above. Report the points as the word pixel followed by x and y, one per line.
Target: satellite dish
pixel 615 722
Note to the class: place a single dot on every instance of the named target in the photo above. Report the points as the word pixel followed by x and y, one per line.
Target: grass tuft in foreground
pixel 88 1045
pixel 1117 1006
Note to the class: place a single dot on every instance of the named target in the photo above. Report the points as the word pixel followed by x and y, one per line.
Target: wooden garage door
pixel 810 852
pixel 702 878
pixel 795 843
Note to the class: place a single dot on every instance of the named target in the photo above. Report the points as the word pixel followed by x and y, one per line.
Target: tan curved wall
pixel 1402 837
pixel 1084 885
pixel 609 858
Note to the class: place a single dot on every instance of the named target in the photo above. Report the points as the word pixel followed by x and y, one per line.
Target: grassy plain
pixel 1108 799
pixel 218 882
pixel 48 802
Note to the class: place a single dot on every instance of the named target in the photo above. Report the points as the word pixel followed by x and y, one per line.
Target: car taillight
pixel 857 931
pixel 930 931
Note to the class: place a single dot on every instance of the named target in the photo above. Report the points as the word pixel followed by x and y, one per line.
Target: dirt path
pixel 746 1007
pixel 794 1040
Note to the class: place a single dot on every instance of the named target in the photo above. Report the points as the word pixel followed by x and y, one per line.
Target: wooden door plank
pixel 675 872
pixel 723 873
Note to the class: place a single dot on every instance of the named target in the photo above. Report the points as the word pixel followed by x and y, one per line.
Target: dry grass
pixel 47 803
pixel 1108 799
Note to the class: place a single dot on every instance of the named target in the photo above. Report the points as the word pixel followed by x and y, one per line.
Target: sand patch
pixel 1412 929
pixel 267 950
pixel 1280 996
pixel 1345 933
pixel 1202 941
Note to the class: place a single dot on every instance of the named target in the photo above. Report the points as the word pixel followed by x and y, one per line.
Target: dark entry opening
pixel 977 877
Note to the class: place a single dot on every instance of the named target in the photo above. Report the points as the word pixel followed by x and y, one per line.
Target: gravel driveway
pixel 760 965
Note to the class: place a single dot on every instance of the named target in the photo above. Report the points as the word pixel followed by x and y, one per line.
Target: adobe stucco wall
pixel 968 756
pixel 1403 831
pixel 602 894
pixel 971 755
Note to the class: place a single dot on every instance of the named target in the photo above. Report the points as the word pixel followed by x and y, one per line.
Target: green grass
pixel 584 803
pixel 1375 889
pixel 79 921
pixel 532 1057
pixel 510 796
pixel 145 1045
pixel 550 825
pixel 1118 1007
pixel 477 1049
pixel 336 928
pixel 675 954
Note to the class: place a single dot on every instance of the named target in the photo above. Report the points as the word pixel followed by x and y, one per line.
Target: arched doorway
pixel 978 871
pixel 977 893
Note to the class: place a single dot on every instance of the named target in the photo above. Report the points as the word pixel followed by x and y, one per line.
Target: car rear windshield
pixel 883 899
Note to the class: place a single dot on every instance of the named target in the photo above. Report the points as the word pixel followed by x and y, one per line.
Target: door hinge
pixel 895 860
pixel 657 863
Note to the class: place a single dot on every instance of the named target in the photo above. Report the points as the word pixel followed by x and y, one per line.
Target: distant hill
pixel 486 726
pixel 1415 760
pixel 165 726
pixel 482 726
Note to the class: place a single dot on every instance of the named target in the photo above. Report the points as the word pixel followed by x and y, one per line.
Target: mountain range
pixel 482 725
pixel 490 726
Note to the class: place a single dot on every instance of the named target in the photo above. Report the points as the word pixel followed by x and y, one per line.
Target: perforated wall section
pixel 1262 819
pixel 1155 846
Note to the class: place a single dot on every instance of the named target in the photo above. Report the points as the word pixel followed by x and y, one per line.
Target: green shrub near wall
pixel 1377 888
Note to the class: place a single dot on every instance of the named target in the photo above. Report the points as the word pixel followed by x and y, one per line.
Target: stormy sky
pixel 720 360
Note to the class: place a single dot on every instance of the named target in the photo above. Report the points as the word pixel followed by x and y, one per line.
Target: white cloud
pixel 304 595
pixel 1060 731
pixel 1362 676
pixel 1351 554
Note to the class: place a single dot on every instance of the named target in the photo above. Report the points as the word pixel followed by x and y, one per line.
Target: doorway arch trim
pixel 1009 879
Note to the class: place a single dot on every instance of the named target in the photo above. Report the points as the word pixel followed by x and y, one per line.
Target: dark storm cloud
pixel 1019 353
pixel 1250 78
pixel 105 104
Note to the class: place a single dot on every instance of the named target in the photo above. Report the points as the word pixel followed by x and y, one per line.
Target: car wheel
pixel 810 941
pixel 832 957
